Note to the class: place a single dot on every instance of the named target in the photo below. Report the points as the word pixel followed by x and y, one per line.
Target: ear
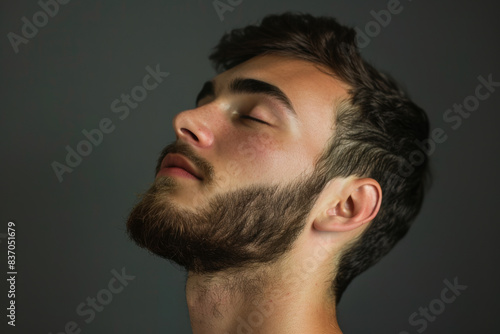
pixel 349 203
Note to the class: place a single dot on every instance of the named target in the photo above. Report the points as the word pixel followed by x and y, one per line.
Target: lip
pixel 175 164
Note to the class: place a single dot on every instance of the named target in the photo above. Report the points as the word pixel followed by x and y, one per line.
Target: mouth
pixel 177 165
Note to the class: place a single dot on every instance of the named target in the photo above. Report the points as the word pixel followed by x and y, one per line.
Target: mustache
pixel 205 167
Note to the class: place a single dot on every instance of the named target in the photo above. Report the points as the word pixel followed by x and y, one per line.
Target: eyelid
pixel 254 119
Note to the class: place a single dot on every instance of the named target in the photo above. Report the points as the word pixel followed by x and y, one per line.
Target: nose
pixel 193 126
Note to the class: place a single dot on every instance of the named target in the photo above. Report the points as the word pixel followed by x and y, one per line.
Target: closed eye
pixel 253 119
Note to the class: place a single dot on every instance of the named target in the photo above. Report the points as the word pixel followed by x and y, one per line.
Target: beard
pixel 234 230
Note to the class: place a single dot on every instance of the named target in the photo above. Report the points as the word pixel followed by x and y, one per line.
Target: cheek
pixel 247 157
pixel 261 158
pixel 290 163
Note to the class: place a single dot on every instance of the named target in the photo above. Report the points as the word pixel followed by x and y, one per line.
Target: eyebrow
pixel 249 86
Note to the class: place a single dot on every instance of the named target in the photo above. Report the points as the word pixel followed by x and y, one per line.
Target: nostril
pixel 189 133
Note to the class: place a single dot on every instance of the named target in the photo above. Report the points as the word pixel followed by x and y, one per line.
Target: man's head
pixel 296 134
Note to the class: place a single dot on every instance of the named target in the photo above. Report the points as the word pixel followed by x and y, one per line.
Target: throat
pixel 258 302
pixel 220 303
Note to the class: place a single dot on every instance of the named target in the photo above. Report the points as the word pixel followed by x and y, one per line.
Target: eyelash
pixel 253 119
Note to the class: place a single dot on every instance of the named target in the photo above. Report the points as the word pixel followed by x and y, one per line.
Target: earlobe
pixel 356 203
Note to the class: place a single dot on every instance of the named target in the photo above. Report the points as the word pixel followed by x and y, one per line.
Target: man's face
pixel 238 183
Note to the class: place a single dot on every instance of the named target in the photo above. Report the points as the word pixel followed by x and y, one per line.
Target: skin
pixel 244 152
pixel 293 294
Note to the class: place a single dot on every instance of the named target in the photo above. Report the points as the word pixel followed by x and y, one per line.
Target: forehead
pixel 314 93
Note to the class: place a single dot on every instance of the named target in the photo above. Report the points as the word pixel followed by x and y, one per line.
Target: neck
pixel 260 301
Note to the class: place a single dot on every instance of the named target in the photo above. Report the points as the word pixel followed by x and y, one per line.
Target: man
pixel 295 172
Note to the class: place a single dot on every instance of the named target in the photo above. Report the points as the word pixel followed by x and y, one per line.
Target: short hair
pixel 378 129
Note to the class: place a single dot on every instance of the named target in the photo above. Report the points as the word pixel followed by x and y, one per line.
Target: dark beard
pixel 254 225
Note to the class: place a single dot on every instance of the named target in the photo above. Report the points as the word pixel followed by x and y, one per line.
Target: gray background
pixel 71 235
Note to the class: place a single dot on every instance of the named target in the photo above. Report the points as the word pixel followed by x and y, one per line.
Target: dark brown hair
pixel 379 130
